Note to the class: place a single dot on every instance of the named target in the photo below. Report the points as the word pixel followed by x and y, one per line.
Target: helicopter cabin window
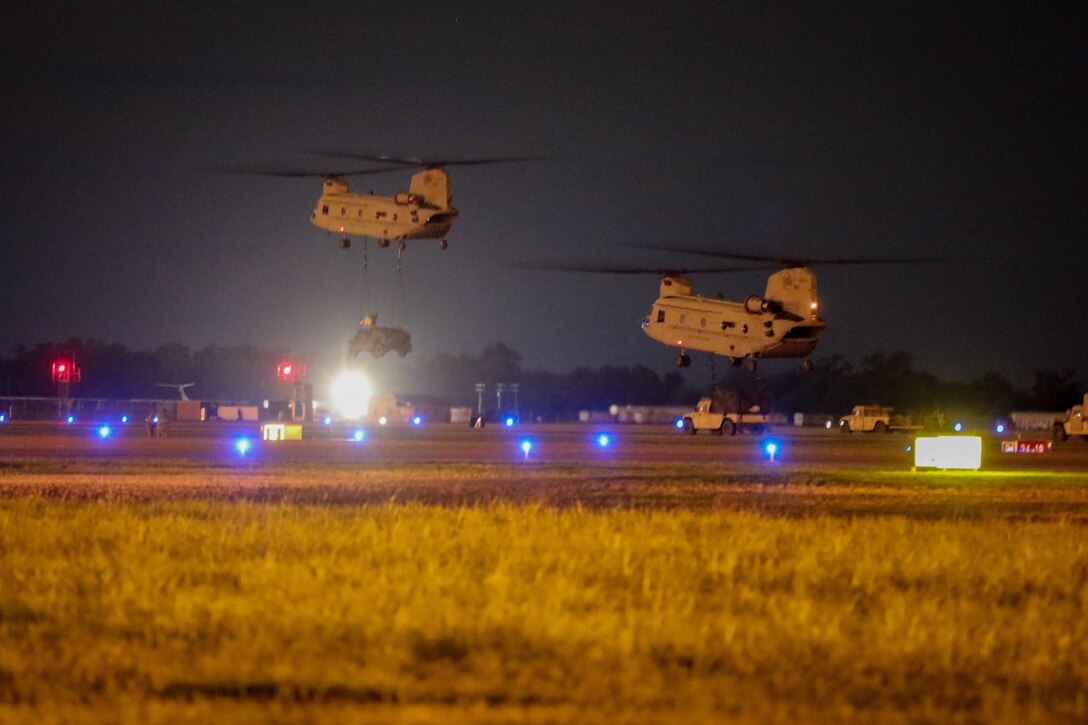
pixel 360 214
pixel 661 315
pixel 744 329
pixel 682 318
pixel 702 322
pixel 324 208
pixel 726 325
pixel 343 211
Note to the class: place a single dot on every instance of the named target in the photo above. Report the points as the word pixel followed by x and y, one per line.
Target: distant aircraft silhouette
pixel 180 388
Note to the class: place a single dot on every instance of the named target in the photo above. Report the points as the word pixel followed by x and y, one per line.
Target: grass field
pixel 413 593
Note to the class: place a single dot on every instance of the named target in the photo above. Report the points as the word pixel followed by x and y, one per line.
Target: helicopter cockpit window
pixel 661 315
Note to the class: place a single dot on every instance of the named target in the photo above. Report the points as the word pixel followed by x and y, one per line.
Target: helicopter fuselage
pixel 423 212
pixel 783 325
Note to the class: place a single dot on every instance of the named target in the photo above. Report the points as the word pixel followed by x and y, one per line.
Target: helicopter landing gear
pixel 383 243
pixel 345 243
pixel 751 365
pixel 400 247
pixel 734 362
pixel 806 365
pixel 683 360
pixel 443 244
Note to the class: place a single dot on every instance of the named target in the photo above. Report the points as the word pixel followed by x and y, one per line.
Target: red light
pixel 289 372
pixel 64 372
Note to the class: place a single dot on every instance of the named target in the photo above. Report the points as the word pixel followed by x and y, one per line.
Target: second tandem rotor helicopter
pixel 783 323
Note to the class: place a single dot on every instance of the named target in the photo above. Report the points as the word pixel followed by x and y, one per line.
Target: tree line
pixel 110 370
pixel 247 373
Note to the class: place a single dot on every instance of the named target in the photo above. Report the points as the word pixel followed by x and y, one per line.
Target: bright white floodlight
pixel 351 393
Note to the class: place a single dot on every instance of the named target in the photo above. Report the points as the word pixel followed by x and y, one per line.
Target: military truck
pixel 710 414
pixel 379 340
pixel 1074 423
pixel 875 419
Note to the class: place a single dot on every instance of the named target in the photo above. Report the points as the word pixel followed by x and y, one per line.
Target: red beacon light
pixel 65 371
pixel 290 372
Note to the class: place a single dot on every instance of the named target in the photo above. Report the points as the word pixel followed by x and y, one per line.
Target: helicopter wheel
pixel 734 362
pixel 345 243
pixel 383 243
pixel 806 365
pixel 683 360
pixel 400 246
pixel 751 365
pixel 443 244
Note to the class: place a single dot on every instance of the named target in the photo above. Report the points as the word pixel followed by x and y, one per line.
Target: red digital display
pixel 1025 446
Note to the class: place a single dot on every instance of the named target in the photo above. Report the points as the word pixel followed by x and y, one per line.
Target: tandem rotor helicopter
pixel 425 211
pixel 782 323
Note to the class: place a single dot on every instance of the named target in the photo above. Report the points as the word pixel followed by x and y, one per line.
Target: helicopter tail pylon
pixel 432 185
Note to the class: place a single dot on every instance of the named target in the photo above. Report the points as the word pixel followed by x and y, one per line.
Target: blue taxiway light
pixel 525 445
pixel 70 419
pixel 327 420
pixel 604 440
pixel 104 431
pixel 3 418
pixel 679 423
pixel 242 445
pixel 771 449
pixel 958 427
pixel 1000 428
pixel 124 418
pixel 417 420
pixel 358 435
pixel 509 421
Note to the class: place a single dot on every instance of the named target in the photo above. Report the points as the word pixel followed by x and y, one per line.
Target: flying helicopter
pixel 425 211
pixel 783 322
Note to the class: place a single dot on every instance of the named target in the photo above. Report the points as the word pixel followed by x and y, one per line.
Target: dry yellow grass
pixel 172 609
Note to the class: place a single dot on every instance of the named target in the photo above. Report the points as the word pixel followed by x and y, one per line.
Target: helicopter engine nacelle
pixel 754 305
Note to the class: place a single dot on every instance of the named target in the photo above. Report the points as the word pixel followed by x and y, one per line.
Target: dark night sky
pixel 804 128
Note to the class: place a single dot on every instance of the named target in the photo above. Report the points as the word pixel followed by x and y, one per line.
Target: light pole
pixel 480 398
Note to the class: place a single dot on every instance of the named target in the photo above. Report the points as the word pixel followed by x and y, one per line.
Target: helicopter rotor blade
pixel 603 268
pixel 795 261
pixel 301 174
pixel 426 163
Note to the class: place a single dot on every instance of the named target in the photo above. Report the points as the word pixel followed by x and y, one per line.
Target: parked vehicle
pixel 875 419
pixel 710 415
pixel 1073 424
